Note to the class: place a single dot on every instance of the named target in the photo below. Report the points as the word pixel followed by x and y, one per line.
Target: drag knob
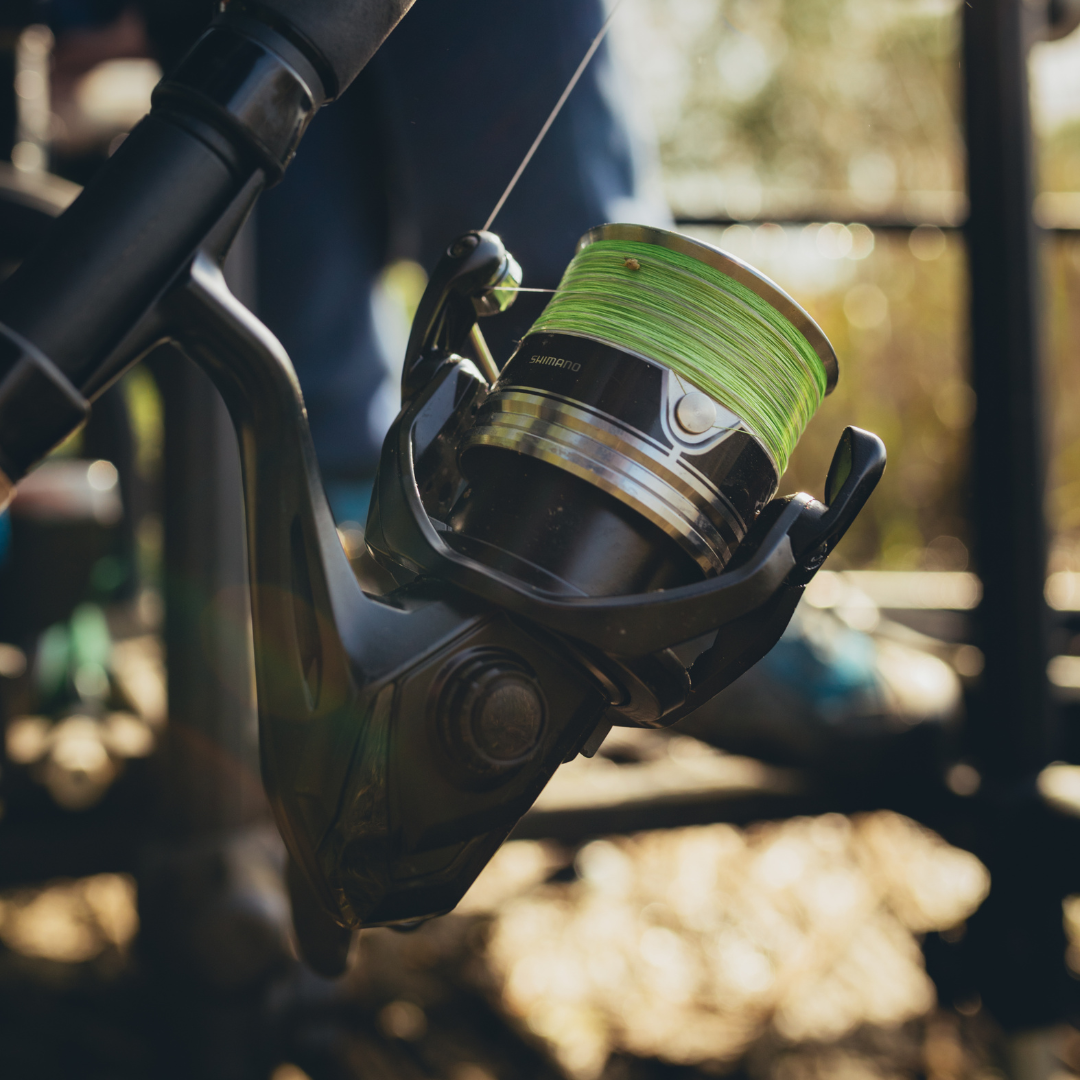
pixel 492 715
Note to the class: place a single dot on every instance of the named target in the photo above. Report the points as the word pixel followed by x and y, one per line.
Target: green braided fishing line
pixel 703 325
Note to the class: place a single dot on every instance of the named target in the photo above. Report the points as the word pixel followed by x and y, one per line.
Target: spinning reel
pixel 516 602
pixel 585 537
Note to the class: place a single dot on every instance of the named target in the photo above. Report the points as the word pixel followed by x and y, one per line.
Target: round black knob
pixel 493 713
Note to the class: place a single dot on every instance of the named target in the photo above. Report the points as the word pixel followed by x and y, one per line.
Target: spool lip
pixel 735 268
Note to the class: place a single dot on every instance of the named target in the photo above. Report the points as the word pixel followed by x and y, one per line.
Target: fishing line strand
pixel 703 325
pixel 554 113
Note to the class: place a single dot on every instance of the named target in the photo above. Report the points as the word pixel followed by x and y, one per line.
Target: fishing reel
pixel 579 540
pixel 520 594
pixel 583 537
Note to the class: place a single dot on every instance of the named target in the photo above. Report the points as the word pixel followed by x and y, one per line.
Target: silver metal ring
pixel 655 481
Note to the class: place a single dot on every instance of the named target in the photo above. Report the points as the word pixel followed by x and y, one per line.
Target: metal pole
pixel 1014 945
pixel 212 901
pixel 1011 733
pixel 213 772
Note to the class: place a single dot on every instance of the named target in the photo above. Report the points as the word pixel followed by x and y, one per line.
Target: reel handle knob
pixel 856 468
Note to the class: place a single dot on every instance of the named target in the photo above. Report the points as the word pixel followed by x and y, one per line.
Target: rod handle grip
pixel 343 34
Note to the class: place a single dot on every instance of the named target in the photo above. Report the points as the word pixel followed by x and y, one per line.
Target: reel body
pixel 573 497
pixel 413 704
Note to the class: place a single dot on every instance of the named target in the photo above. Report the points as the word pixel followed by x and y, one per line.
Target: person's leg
pixel 321 245
pixel 466 89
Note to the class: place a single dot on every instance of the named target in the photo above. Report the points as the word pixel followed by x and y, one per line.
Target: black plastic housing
pixel 341 35
pixel 226 123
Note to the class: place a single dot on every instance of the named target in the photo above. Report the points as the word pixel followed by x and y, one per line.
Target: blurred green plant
pixel 782 107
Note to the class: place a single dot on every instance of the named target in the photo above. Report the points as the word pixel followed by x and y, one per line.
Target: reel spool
pixel 644 422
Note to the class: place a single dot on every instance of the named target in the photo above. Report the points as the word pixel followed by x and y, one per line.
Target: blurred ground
pixel 786 950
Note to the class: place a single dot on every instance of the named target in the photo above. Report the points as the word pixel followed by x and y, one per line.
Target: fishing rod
pixel 585 534
pixel 224 125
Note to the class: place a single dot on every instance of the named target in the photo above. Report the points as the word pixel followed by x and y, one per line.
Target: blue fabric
pixel 5 537
pixel 418 151
pixel 827 663
pixel 82 14
pixel 349 499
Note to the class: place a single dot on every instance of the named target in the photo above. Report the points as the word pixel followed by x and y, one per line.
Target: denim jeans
pixel 417 151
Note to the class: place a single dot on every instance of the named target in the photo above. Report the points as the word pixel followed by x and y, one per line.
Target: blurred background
pixel 773 923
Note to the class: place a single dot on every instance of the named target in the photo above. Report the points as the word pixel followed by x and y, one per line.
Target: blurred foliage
pixel 145 412
pixel 1062 274
pixel 803 106
pixel 852 110
pixel 903 378
pixel 898 324
pixel 1059 159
